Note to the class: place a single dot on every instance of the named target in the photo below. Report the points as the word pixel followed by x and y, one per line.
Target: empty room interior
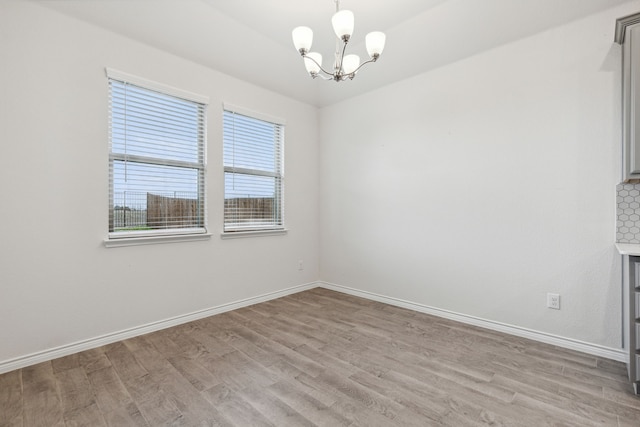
pixel 205 223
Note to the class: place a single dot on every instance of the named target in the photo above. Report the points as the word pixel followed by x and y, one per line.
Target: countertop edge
pixel 632 249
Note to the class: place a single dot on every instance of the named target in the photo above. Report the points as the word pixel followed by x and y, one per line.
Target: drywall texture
pixel 628 213
pixel 58 283
pixel 481 186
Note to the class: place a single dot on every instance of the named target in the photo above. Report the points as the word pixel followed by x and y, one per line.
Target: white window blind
pixel 253 177
pixel 156 161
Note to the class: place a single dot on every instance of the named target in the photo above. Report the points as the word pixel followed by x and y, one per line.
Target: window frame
pixel 164 235
pixel 266 230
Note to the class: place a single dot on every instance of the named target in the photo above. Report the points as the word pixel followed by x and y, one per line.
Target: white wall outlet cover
pixel 553 301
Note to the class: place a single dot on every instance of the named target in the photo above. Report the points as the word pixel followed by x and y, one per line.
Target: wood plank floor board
pixel 317 390
pixel 193 407
pixel 427 409
pixel 626 423
pixel 42 408
pixel 260 376
pixel 234 408
pixel 110 393
pixel 550 414
pixel 96 362
pixel 335 335
pixel 272 408
pixel 357 357
pixel 561 355
pixel 621 397
pixel 585 404
pixel 605 414
pixel 304 301
pixel 284 370
pixel 376 361
pixel 254 346
pixel 487 409
pixel 320 414
pixel 356 392
pixel 355 398
pixel 75 389
pixel 123 361
pixel 15 422
pixel 550 382
pixel 11 398
pixel 225 372
pixel 39 377
pixel 140 388
pixel 42 404
pixel 158 409
pixel 321 358
pixel 457 410
pixel 517 361
pixel 129 416
pixel 163 344
pixel 594 377
pixel 301 332
pixel 272 350
pixel 146 357
pixel 206 339
pixel 189 345
pixel 413 354
pixel 283 337
pixel 89 415
pixel 327 361
pixel 332 325
pixel 65 363
pixel 199 377
pixel 358 414
pixel 609 365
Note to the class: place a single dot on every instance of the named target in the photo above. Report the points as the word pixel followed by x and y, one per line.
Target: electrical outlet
pixel 553 301
pixel 300 265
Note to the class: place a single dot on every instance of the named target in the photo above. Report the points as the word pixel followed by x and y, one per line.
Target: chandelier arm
pixel 340 71
pixel 364 63
pixel 329 77
pixel 319 66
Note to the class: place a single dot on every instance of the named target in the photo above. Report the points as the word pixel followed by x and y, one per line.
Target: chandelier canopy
pixel 344 67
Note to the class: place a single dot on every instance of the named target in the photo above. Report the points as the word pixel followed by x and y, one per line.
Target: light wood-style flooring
pixel 321 358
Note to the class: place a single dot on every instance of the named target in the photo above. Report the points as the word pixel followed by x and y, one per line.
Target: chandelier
pixel 344 67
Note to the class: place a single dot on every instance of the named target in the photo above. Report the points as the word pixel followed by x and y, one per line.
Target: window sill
pixel 153 240
pixel 257 233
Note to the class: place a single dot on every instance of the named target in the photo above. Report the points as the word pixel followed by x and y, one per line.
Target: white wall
pixel 58 283
pixel 481 186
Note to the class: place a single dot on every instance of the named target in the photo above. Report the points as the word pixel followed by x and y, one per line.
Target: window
pixel 253 179
pixel 156 159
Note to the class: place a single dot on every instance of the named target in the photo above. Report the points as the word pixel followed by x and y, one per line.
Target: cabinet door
pixel 632 331
pixel 632 80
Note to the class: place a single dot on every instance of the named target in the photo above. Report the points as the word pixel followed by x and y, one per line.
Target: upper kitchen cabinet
pixel 628 35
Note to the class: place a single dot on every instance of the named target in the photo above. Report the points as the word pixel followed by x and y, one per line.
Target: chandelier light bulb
pixel 302 39
pixel 343 23
pixel 375 43
pixel 350 63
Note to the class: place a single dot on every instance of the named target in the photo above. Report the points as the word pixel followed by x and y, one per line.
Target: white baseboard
pixel 65 350
pixel 585 347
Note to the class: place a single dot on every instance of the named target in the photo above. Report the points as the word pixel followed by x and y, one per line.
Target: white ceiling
pixel 251 39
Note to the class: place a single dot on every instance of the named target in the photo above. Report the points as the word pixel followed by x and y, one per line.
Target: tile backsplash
pixel 628 213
